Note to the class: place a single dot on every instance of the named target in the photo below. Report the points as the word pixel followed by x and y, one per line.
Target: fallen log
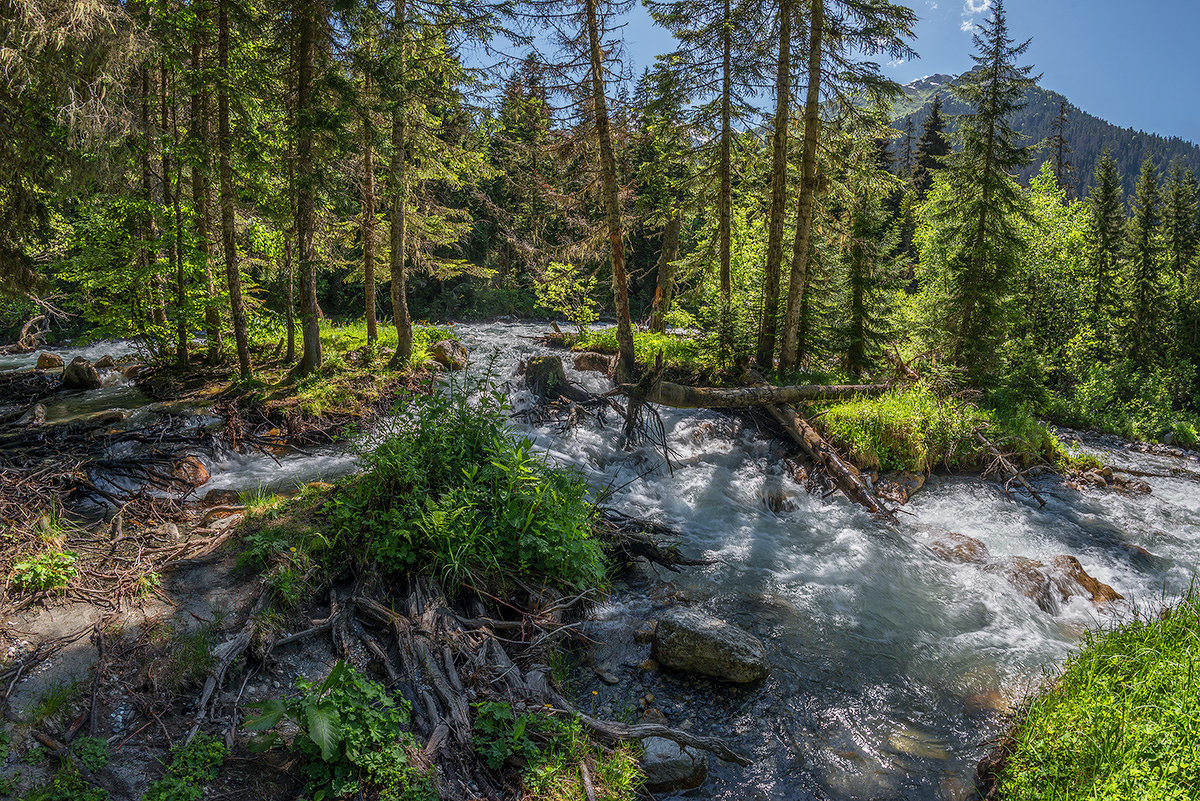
pixel 844 475
pixel 1008 467
pixel 684 397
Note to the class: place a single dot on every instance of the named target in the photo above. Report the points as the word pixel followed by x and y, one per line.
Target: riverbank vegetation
pixel 1119 723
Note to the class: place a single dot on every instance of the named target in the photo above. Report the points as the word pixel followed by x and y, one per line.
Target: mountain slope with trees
pixel 1087 135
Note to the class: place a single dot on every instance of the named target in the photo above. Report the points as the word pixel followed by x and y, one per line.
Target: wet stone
pixel 670 767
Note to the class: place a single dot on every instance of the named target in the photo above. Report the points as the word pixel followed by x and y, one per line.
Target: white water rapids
pixel 887 663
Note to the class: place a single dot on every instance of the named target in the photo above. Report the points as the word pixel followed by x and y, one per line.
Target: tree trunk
pixel 232 274
pixel 171 201
pixel 399 191
pixel 664 292
pixel 725 199
pixel 771 273
pixel 200 185
pixel 801 245
pixel 305 203
pixel 368 221
pixel 149 252
pixel 612 203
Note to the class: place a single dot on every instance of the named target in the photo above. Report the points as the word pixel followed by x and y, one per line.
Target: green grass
pixel 912 429
pixel 1123 722
pixel 646 345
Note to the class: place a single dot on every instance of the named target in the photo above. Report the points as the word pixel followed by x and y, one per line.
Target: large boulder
pixel 106 363
pixel 49 361
pixel 694 642
pixel 1070 578
pixel 670 767
pixel 449 353
pixel 955 547
pixel 190 471
pixel 80 374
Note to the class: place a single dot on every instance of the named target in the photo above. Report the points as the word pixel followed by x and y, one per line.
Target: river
pixel 888 665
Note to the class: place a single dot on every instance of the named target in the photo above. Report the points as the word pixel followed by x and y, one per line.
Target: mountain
pixel 1087 135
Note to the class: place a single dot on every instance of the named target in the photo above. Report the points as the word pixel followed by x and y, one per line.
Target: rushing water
pixel 888 664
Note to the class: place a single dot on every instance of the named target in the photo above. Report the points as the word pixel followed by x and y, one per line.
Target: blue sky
pixel 1135 64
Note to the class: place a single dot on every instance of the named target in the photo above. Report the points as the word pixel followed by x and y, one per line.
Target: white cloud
pixel 967 26
pixel 896 62
pixel 931 5
pixel 972 7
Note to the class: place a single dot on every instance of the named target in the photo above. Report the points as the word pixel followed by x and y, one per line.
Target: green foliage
pixel 193 766
pixel 914 430
pixel 1119 725
pixel 548 750
pixel 678 350
pixel 567 291
pixel 92 752
pixel 54 703
pixel 450 489
pixel 47 570
pixel 351 738
pixel 68 785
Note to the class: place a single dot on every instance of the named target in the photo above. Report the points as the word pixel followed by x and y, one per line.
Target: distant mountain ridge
pixel 1087 134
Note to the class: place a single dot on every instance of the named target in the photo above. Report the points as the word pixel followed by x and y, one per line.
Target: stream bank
pixel 889 665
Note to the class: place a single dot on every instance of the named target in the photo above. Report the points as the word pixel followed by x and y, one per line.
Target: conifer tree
pixel 981 211
pixel 932 147
pixel 1060 150
pixel 1144 254
pixel 1105 239
pixel 1179 222
pixel 225 148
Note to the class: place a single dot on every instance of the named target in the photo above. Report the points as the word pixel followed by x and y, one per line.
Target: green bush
pixel 351 738
pixel 192 767
pixel 1120 725
pixel 912 429
pixel 46 571
pixel 451 489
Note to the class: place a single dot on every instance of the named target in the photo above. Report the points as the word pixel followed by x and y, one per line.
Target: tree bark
pixel 368 221
pixel 773 267
pixel 399 191
pixel 612 203
pixel 149 252
pixel 679 396
pixel 232 274
pixel 725 199
pixel 305 203
pixel 201 165
pixel 664 292
pixel 801 246
pixel 171 201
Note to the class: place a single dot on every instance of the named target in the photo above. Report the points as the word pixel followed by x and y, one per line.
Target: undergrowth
pixel 912 429
pixel 1120 725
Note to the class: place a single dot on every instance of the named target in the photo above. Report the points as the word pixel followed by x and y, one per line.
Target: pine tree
pixel 982 210
pixel 840 33
pixel 1060 150
pixel 1106 235
pixel 1144 255
pixel 1179 222
pixel 224 147
pixel 932 148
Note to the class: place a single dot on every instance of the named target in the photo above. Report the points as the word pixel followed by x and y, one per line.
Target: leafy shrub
pixel 351 738
pixel 567 291
pixel 501 735
pixel 1120 723
pixel 192 767
pixel 450 487
pixel 46 571
pixel 92 752
pixel 912 429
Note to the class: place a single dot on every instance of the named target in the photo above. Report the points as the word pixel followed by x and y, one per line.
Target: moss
pixel 1120 724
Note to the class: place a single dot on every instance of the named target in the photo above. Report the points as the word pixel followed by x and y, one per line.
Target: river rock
pixel 131 371
pixel 670 767
pixel 191 471
pixel 899 486
pixel 1070 577
pixel 49 361
pixel 223 497
pixel 544 376
pixel 593 362
pixel 449 353
pixel 34 417
pixel 104 418
pixel 106 363
pixel 691 641
pixel 80 374
pixel 955 547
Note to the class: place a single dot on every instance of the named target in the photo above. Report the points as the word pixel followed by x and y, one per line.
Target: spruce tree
pixel 1179 222
pixel 1106 235
pixel 1143 332
pixel 982 211
pixel 932 148
pixel 1060 150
